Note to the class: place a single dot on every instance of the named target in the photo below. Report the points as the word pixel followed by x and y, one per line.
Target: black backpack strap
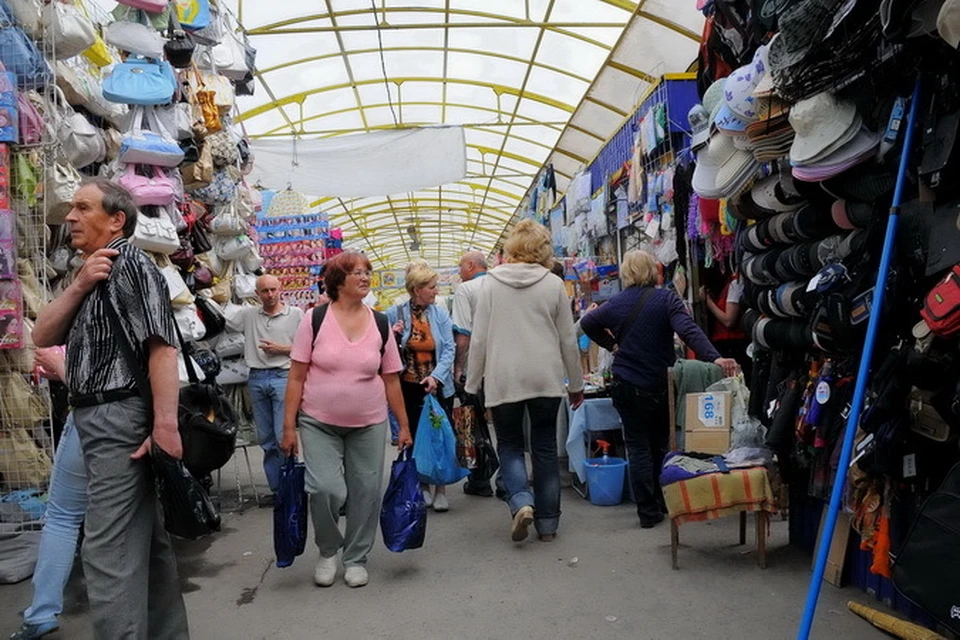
pixel 319 313
pixel 383 326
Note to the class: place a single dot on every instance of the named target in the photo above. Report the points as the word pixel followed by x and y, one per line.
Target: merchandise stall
pixel 144 97
pixel 812 182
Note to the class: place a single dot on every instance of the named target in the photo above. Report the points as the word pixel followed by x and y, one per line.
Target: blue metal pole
pixel 862 375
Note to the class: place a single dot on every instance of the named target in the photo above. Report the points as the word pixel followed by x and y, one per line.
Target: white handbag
pixel 177 119
pixel 67 29
pixel 157 235
pixel 244 284
pixel 230 345
pixel 233 371
pixel 226 222
pixel 190 325
pixel 81 142
pixel 61 182
pixel 180 295
pixel 135 38
pixel 27 13
pixel 233 248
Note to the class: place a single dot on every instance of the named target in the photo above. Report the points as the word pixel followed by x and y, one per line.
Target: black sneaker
pixel 268 500
pixel 650 523
pixel 482 490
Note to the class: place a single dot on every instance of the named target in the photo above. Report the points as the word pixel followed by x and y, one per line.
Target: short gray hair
pixel 116 199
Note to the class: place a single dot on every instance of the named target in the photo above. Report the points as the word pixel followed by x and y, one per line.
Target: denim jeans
pixel 545 497
pixel 646 433
pixel 58 542
pixel 267 388
pixel 394 425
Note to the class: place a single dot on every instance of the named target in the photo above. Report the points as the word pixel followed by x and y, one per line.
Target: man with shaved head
pixel 473 266
pixel 269 332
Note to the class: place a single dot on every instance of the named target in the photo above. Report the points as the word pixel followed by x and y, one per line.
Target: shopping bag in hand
pixel 435 447
pixel 188 511
pixel 290 513
pixel 403 516
pixel 464 427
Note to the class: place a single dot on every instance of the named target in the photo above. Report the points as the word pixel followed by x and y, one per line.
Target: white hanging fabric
pixel 380 163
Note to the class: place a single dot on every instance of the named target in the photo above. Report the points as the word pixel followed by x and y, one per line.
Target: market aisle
pixel 471 582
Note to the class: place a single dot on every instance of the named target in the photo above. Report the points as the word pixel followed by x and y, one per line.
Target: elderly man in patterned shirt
pixel 119 302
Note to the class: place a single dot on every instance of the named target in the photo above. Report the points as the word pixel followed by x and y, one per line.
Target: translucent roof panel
pixel 530 81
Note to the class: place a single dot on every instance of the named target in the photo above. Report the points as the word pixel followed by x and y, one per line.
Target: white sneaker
pixel 440 502
pixel 356 576
pixel 521 522
pixel 428 497
pixel 326 571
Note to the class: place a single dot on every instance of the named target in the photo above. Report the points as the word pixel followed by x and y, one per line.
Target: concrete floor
pixel 471 581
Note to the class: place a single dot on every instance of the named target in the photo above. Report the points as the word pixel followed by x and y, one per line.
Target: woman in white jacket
pixel 522 349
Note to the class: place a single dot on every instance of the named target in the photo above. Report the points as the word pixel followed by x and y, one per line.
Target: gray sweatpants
pixel 341 462
pixel 128 560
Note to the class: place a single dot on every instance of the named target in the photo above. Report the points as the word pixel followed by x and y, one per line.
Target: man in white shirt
pixel 473 266
pixel 269 332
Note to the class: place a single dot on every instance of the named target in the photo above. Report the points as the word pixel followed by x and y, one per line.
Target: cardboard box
pixel 833 573
pixel 707 425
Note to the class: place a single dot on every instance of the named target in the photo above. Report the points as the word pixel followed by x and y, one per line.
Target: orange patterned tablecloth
pixel 716 495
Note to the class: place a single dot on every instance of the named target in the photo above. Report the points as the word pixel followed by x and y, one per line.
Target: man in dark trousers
pixel 119 297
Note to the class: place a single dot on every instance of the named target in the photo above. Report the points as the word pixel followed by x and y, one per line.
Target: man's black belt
pixel 104 397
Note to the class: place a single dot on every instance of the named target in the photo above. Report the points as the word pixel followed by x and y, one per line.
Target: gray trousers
pixel 128 561
pixel 341 462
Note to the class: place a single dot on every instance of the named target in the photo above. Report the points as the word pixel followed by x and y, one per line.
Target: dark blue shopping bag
pixel 290 513
pixel 435 447
pixel 403 516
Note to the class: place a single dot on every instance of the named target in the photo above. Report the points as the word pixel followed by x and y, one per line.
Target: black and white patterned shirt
pixel 138 291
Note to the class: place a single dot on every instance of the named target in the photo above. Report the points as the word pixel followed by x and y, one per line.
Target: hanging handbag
pixel 226 222
pixel 233 248
pixel 184 257
pixel 148 142
pixel 141 81
pixel 223 148
pixel 207 121
pixel 252 262
pixel 212 317
pixel 244 284
pixel 177 119
pixel 31 121
pixel 156 189
pixel 202 277
pixel 20 55
pixel 194 14
pixel 180 46
pixel 221 190
pixel 150 6
pixel 99 54
pixel 79 139
pixel 61 183
pixel 66 30
pixel 199 174
pixel 26 13
pixel 190 327
pixel 231 345
pixel 157 235
pixel 76 91
pixel 223 92
pixel 201 243
pixel 136 38
pixel 26 185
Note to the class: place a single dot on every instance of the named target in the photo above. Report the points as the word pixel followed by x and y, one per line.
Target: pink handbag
pixel 31 122
pixel 151 6
pixel 156 190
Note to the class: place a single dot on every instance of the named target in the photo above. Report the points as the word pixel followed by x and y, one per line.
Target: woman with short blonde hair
pixel 523 349
pixel 529 242
pixel 427 351
pixel 639 269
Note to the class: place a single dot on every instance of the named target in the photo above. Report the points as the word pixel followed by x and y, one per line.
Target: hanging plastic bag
pixel 746 431
pixel 188 511
pixel 290 513
pixel 403 516
pixel 435 448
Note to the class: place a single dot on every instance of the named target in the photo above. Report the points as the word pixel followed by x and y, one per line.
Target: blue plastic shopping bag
pixel 435 447
pixel 403 516
pixel 290 513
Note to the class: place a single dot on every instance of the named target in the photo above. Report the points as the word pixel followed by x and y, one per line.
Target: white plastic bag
pixel 745 431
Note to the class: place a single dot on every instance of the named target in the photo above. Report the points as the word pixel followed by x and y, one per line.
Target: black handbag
pixel 212 317
pixel 179 46
pixel 925 570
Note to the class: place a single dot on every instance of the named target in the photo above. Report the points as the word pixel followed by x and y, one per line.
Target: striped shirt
pixel 139 293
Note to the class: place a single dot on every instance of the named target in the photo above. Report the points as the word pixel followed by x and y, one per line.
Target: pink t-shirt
pixel 343 386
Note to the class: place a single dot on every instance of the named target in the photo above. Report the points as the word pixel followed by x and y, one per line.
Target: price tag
pixel 910 466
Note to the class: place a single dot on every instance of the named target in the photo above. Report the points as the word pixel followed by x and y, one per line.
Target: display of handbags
pixel 180 46
pixel 157 235
pixel 141 81
pixel 67 30
pixel 81 142
pixel 148 141
pixel 133 37
pixel 156 189
pixel 20 55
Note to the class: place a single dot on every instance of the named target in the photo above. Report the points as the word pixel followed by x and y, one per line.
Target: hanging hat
pixel 802 26
pixel 729 122
pixel 765 83
pixel 863 147
pixel 819 122
pixel 948 22
pixel 713 96
pixel 699 119
pixel 909 18
pixel 770 195
pixel 739 86
pixel 705 175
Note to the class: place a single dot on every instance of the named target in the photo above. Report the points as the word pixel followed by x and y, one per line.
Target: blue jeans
pixel 394 425
pixel 267 388
pixel 545 497
pixel 58 542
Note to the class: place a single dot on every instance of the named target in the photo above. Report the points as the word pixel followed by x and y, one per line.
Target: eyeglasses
pixel 361 274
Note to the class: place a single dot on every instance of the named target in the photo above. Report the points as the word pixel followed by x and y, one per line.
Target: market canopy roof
pixel 530 81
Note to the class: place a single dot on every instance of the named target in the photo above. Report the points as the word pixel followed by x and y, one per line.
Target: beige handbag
pixel 76 89
pixel 61 183
pixel 199 174
pixel 23 465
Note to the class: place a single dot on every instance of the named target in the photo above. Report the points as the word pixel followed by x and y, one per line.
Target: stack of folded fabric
pixel 830 138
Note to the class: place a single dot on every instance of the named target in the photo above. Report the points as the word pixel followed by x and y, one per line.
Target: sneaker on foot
pixel 650 523
pixel 28 631
pixel 521 522
pixel 547 537
pixel 326 571
pixel 482 490
pixel 428 498
pixel 356 576
pixel 440 503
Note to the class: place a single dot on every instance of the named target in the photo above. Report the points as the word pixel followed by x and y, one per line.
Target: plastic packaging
pixel 435 448
pixel 403 516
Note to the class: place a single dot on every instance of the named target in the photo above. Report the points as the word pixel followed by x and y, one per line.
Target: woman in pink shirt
pixel 337 394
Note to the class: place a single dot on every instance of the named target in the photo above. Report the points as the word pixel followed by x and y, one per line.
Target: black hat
pixel 802 26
